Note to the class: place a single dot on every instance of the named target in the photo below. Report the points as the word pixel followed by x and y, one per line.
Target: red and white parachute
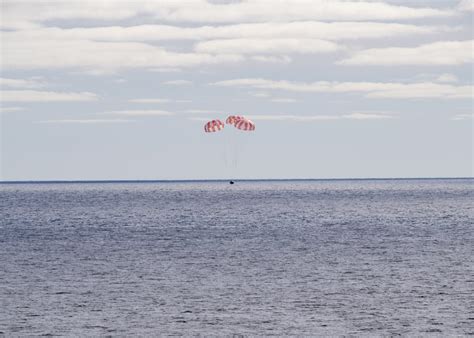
pixel 244 124
pixel 213 126
pixel 233 118
pixel 239 122
pixel 234 143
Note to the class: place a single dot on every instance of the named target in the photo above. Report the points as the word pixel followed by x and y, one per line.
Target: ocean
pixel 322 257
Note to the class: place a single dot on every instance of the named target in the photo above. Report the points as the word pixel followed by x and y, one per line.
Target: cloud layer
pixel 439 53
pixel 45 96
pixel 249 30
pixel 370 89
pixel 309 118
pixel 28 13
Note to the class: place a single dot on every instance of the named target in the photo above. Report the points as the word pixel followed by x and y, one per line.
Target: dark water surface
pixel 260 258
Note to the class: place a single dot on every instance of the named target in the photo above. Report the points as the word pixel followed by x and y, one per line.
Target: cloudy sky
pixel 121 89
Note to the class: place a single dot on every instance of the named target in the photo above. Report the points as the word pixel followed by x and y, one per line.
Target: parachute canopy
pixel 244 124
pixel 213 126
pixel 239 122
pixel 233 118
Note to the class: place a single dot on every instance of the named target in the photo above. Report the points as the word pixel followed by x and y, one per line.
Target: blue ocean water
pixel 380 257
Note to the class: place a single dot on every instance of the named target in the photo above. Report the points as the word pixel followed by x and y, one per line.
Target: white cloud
pixel 423 90
pixel 140 113
pixel 93 71
pixel 371 89
pixel 267 30
pixel 309 118
pixel 101 51
pixel 23 13
pixel 10 109
pixel 94 121
pixel 102 57
pixel 296 10
pixel 200 119
pixel 438 53
pixel 272 59
pixel 149 100
pixel 432 77
pixel 283 100
pixel 178 82
pixel 466 5
pixel 447 78
pixel 153 100
pixel 367 116
pixel 165 70
pixel 463 117
pixel 266 46
pixel 260 94
pixel 201 111
pixel 16 23
pixel 21 83
pixel 44 96
pixel 293 117
pixel 38 11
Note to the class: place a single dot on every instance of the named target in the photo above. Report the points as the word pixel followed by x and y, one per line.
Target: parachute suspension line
pixel 231 159
pixel 243 126
pixel 236 154
pixel 228 158
pixel 213 127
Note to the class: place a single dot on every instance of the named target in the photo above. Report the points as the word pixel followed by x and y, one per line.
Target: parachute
pixel 239 122
pixel 234 139
pixel 233 118
pixel 245 125
pixel 213 126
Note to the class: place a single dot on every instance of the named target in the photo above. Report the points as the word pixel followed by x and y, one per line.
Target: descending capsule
pixel 213 126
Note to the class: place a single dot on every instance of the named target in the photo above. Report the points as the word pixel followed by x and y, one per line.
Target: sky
pixel 111 90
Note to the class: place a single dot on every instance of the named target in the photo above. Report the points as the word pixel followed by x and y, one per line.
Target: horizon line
pixel 226 180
